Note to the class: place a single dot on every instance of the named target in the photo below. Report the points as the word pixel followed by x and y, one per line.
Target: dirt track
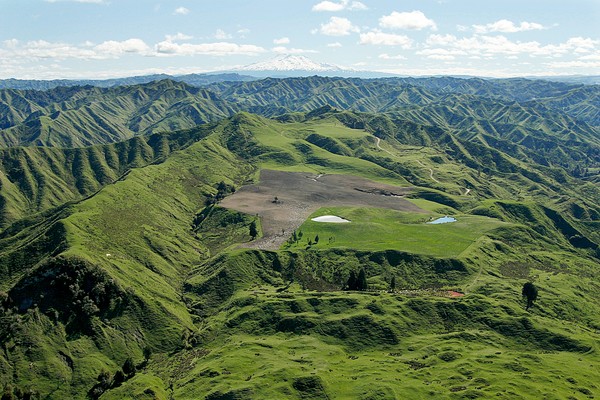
pixel 300 194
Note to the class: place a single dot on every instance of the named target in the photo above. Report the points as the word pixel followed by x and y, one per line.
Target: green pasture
pixel 381 229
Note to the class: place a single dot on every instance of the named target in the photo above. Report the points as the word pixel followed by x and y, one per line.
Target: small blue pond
pixel 443 220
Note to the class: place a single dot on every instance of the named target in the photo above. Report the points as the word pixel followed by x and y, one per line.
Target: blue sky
pixel 43 39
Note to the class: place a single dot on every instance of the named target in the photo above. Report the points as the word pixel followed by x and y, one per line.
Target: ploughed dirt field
pixel 284 200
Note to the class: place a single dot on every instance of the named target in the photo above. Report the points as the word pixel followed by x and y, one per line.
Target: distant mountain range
pixel 283 66
pixel 190 79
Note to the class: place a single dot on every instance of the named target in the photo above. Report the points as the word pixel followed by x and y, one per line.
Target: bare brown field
pixel 284 200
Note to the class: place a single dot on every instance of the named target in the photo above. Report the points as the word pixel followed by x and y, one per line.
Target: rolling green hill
pixel 131 270
pixel 82 116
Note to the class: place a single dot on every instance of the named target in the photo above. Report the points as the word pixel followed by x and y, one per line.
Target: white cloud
pixel 114 48
pixel 243 32
pixel 441 57
pixel 386 56
pixel 181 11
pixel 11 43
pixel 507 26
pixel 167 48
pixel 582 45
pixel 490 46
pixel 338 27
pixel 343 5
pixel 440 40
pixel 385 39
pixel 41 49
pixel 288 50
pixel 220 34
pixel 357 5
pixel 178 36
pixel 414 20
pixel 36 50
pixel 593 57
pixel 441 54
pixel 33 51
pixel 334 44
pixel 328 6
pixel 283 40
pixel 574 64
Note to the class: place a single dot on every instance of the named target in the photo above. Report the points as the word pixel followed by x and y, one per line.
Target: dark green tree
pixel 393 284
pixel 351 284
pixel 129 367
pixel 118 378
pixel 362 280
pixel 8 393
pixel 530 292
pixel 104 379
pixel 30 394
pixel 253 230
pixel 316 239
pixel 147 353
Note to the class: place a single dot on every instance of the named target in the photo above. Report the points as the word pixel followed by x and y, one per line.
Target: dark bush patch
pixel 296 324
pixel 363 329
pixel 379 393
pixel 310 387
pixel 449 356
pixel 375 308
pixel 238 394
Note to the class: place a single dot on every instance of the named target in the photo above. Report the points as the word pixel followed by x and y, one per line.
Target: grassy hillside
pixel 146 259
pixel 35 179
pixel 83 116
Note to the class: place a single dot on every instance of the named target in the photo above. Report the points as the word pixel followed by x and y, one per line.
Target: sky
pixel 49 39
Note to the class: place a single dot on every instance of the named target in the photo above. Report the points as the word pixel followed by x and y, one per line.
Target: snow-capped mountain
pixel 285 66
pixel 286 63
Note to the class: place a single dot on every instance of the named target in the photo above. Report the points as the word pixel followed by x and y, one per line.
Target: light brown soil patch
pixel 299 194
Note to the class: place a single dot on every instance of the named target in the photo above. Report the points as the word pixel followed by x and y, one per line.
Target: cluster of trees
pixel 223 190
pixel 296 236
pixel 357 281
pixel 315 241
pixel 16 393
pixel 71 290
pixel 107 381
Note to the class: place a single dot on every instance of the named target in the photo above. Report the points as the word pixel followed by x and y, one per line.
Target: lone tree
pixel 253 230
pixel 147 353
pixel 530 292
pixel 129 367
pixel 352 281
pixel 362 280
pixel 118 379
pixel 393 284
